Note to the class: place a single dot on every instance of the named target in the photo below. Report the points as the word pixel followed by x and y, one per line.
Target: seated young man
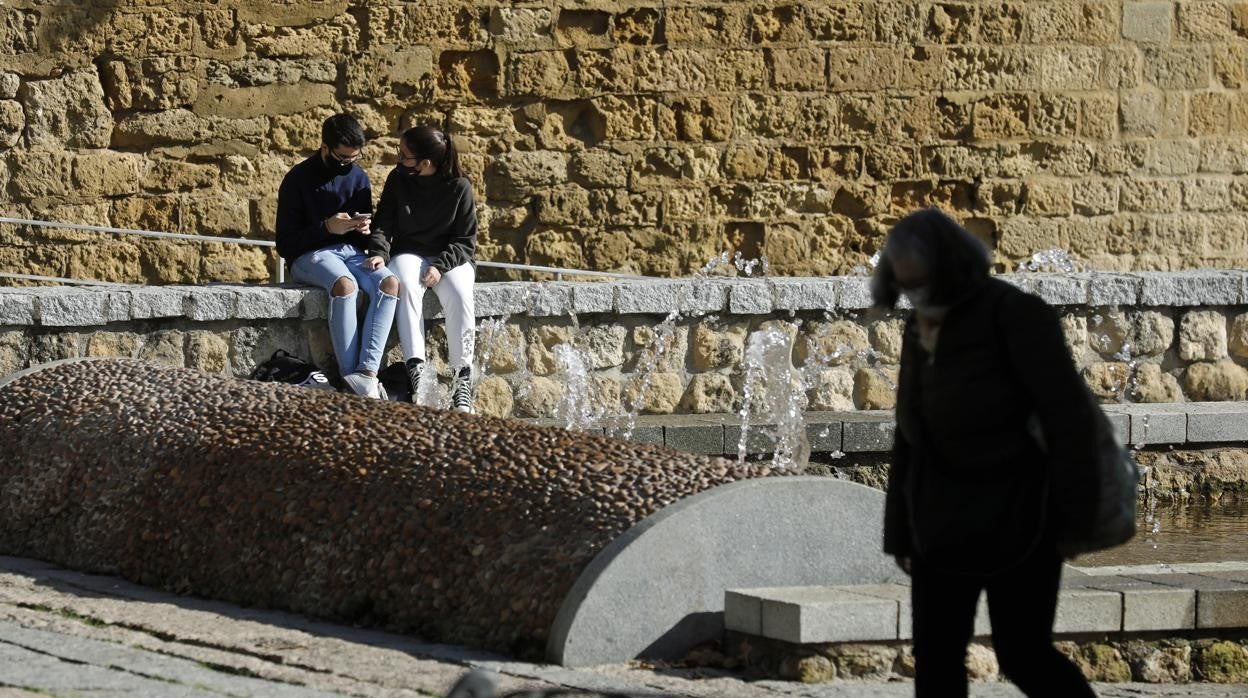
pixel 323 210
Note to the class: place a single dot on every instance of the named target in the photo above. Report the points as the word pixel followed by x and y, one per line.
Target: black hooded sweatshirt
pixel 431 216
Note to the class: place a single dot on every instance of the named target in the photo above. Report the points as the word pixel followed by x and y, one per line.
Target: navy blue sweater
pixel 312 192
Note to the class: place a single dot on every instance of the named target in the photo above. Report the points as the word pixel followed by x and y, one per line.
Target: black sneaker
pixel 461 391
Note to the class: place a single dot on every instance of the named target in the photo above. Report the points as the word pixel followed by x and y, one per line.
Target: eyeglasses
pixel 347 160
pixel 404 159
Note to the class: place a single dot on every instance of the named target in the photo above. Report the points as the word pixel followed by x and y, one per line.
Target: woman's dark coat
pixel 968 490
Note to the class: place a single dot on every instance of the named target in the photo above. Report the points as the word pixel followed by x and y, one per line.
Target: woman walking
pixel 428 214
pixel 969 506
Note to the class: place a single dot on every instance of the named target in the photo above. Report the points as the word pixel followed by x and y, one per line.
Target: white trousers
pixel 454 291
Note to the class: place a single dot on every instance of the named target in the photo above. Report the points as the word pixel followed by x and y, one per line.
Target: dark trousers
pixel 1022 602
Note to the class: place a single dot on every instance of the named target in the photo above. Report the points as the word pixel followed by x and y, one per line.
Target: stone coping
pixel 871 431
pixel 88 306
pixel 1112 600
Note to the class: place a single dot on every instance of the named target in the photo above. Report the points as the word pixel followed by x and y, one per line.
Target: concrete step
pixel 1127 601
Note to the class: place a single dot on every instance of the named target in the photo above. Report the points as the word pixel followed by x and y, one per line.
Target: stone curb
pixel 871 431
pixel 90 306
pixel 1102 603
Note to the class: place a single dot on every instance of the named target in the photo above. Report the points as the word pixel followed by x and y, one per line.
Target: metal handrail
pixel 559 272
pixel 63 280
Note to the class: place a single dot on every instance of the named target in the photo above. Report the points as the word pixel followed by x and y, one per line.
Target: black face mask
pixel 335 165
pixel 409 171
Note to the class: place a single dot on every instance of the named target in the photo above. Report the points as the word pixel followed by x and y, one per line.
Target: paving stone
pixel 1212 422
pixel 749 297
pixel 549 299
pixel 824 431
pixel 315 304
pixel 1122 425
pixel 1158 609
pixel 867 432
pixel 265 302
pixel 210 303
pixel 593 297
pixel 1191 288
pixel 695 436
pixel 803 294
pixel 853 292
pixel 47 674
pixel 646 435
pixel 506 298
pixel 890 592
pixel 1060 289
pixel 1114 289
pixel 706 296
pixel 657 298
pixel 1088 610
pixel 1222 608
pixel 743 610
pixel 759 438
pixel 117 305
pixel 181 677
pixel 1153 424
pixel 827 614
pixel 17 308
pixel 1188 580
pixel 1146 605
pixel 71 307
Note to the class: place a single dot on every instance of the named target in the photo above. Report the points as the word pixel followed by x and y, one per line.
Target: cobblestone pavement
pixel 66 633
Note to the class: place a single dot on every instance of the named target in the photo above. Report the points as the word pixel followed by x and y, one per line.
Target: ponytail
pixel 431 143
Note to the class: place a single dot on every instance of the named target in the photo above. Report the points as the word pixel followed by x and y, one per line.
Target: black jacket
pixel 968 489
pixel 312 192
pixel 430 216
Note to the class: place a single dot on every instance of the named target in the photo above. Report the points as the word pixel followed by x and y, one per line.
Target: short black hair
pixel 955 260
pixel 342 129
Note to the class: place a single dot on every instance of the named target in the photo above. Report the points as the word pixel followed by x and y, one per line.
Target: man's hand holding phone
pixel 342 223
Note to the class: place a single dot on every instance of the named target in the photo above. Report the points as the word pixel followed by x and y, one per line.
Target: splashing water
pixel 772 384
pixel 746 266
pixel 1053 259
pixel 662 339
pixel 576 409
pixel 491 337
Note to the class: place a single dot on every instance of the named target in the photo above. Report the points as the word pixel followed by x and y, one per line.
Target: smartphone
pixel 361 216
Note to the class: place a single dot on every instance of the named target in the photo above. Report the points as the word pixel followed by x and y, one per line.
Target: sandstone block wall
pixel 638 136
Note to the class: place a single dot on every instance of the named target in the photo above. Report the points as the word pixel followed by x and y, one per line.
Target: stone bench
pixel 1113 600
pixel 1193 424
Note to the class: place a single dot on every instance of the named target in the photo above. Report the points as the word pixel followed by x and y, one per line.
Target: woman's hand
pixel 431 278
pixel 374 263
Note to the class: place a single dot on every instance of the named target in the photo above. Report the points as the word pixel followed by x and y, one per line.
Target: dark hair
pixel 431 143
pixel 955 260
pixel 342 129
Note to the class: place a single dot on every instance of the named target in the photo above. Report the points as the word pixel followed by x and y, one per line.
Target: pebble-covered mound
pixel 455 527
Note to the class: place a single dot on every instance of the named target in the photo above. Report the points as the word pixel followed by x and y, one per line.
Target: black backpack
pixel 283 367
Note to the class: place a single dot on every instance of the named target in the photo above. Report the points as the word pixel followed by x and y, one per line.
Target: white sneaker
pixel 360 384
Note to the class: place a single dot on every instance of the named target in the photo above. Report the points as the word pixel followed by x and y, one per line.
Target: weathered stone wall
pixel 1147 337
pixel 639 136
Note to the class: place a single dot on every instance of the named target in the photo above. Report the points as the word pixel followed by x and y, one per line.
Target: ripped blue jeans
pixel 356 349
